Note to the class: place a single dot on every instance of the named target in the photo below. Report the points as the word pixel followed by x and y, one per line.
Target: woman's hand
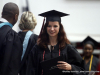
pixel 64 65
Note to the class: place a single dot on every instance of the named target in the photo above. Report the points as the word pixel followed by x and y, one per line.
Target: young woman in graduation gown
pixel 91 61
pixel 52 42
pixel 28 38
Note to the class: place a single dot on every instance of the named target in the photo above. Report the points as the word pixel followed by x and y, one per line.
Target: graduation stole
pixel 44 54
pixel 25 42
pixel 6 23
pixel 90 62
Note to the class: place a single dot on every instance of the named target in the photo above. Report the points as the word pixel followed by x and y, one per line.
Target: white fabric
pixel 3 20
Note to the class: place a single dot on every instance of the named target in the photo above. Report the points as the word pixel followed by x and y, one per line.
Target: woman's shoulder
pixel 95 59
pixel 72 49
pixel 34 36
pixel 69 47
pixel 37 48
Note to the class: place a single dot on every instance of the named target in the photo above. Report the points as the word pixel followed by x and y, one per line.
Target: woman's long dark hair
pixel 43 39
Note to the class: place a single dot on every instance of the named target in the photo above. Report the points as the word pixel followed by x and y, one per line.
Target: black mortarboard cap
pixel 89 40
pixel 53 15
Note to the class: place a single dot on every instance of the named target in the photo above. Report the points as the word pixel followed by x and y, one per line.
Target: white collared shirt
pixel 3 20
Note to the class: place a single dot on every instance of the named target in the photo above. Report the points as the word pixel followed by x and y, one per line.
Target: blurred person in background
pixel 28 38
pixel 91 61
pixel 10 44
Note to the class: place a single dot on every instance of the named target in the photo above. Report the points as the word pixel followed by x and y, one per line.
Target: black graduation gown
pixel 10 51
pixel 31 43
pixel 95 62
pixel 71 56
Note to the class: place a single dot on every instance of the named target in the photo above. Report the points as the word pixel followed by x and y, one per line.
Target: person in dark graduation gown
pixel 52 42
pixel 28 39
pixel 91 62
pixel 10 44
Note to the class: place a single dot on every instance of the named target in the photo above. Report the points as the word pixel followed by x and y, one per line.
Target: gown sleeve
pixel 75 60
pixel 12 48
pixel 16 54
pixel 32 60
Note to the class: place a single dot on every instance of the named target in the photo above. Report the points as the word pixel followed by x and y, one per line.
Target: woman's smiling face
pixel 53 28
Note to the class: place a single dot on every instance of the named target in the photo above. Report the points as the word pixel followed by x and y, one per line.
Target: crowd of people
pixel 49 53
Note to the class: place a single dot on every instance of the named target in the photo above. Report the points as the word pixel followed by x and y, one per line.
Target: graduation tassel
pixel 44 55
pixel 59 52
pixel 43 60
pixel 42 28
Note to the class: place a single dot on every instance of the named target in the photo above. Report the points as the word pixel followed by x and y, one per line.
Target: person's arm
pixel 64 65
pixel 12 56
pixel 75 61
pixel 17 49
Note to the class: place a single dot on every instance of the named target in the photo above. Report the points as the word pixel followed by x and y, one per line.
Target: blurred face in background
pixel 87 50
pixel 53 28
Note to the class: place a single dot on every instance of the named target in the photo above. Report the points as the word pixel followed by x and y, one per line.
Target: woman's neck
pixel 88 57
pixel 53 40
